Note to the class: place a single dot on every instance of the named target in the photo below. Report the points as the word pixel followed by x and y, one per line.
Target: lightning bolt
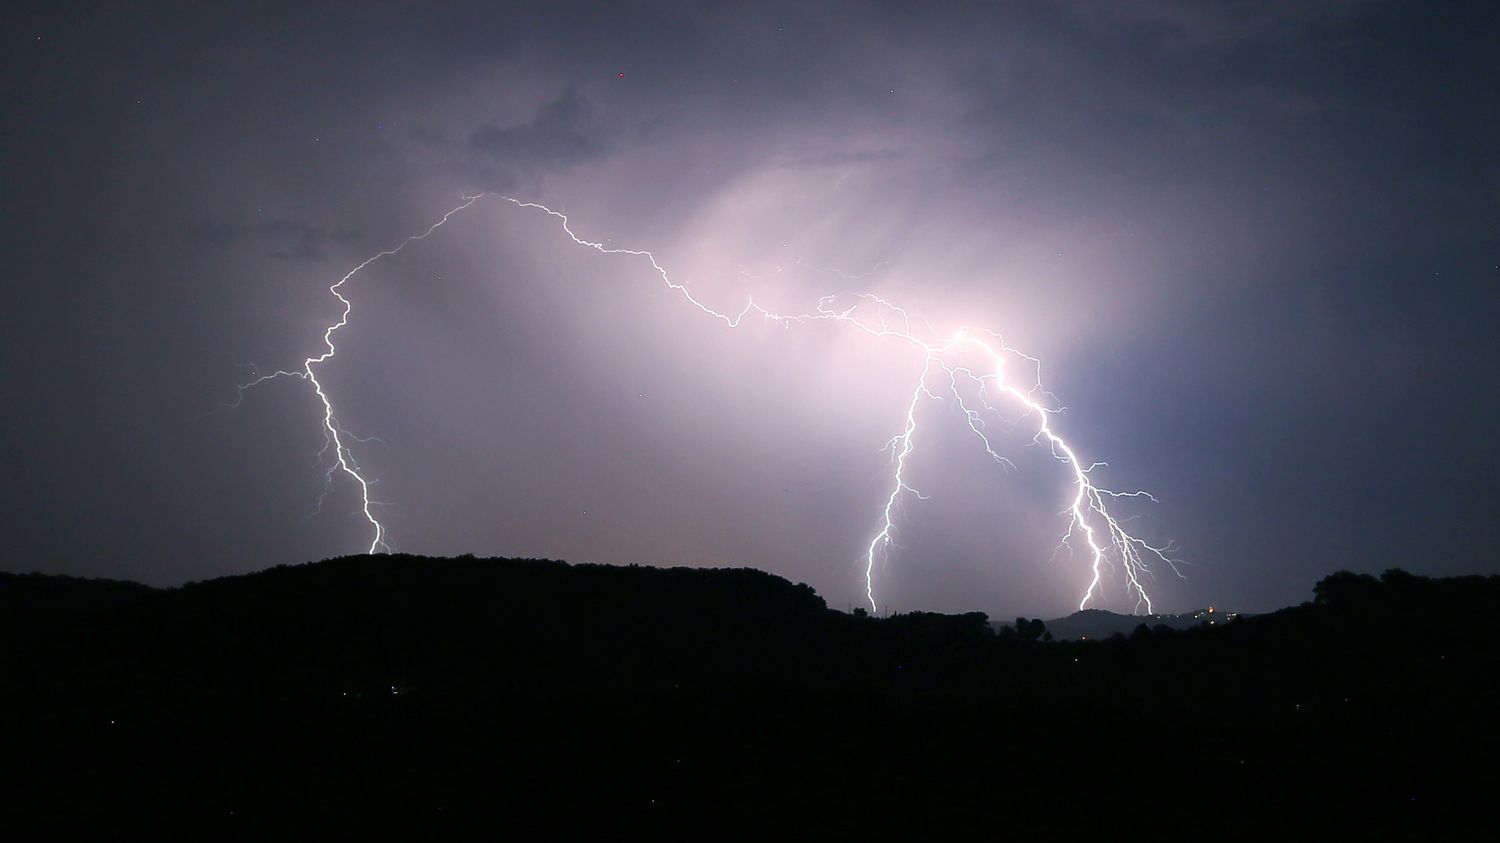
pixel 333 432
pixel 1100 533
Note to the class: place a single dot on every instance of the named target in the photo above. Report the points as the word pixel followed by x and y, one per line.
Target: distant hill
pixel 24 597
pixel 444 698
pixel 1098 623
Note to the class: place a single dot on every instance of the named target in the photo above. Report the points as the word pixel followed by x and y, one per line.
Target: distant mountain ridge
pixel 1099 623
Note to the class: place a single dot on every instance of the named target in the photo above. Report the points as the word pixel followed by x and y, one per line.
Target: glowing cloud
pixel 946 361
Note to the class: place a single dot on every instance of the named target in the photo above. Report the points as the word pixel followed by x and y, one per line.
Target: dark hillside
pixel 395 693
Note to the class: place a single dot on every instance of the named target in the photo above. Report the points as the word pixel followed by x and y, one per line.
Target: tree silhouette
pixel 1030 630
pixel 1345 588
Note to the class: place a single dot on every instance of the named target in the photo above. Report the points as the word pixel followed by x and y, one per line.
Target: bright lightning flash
pixel 334 434
pixel 1092 529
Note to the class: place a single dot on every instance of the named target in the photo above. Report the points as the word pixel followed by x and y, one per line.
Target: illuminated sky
pixel 1256 246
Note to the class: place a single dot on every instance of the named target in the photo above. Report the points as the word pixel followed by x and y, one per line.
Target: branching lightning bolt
pixel 1091 524
pixel 334 433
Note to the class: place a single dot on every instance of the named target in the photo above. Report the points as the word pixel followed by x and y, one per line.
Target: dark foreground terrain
pixel 376 697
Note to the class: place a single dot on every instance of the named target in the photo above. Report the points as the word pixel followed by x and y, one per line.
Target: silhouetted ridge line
pixel 363 694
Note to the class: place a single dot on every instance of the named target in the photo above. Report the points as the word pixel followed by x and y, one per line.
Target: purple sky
pixel 1256 247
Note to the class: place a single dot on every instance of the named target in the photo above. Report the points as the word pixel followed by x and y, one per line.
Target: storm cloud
pixel 1254 244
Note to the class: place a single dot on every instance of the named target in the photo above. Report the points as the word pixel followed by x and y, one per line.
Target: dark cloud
pixel 1212 24
pixel 563 133
pixel 281 238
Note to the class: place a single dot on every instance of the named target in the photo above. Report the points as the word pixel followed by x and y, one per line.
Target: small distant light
pixel 622 75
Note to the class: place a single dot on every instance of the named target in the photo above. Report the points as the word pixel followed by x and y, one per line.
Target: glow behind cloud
pixel 1102 537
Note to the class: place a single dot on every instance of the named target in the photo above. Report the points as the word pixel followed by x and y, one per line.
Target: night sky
pixel 1255 245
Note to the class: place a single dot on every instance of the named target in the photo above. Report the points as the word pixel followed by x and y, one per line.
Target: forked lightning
pixel 944 361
